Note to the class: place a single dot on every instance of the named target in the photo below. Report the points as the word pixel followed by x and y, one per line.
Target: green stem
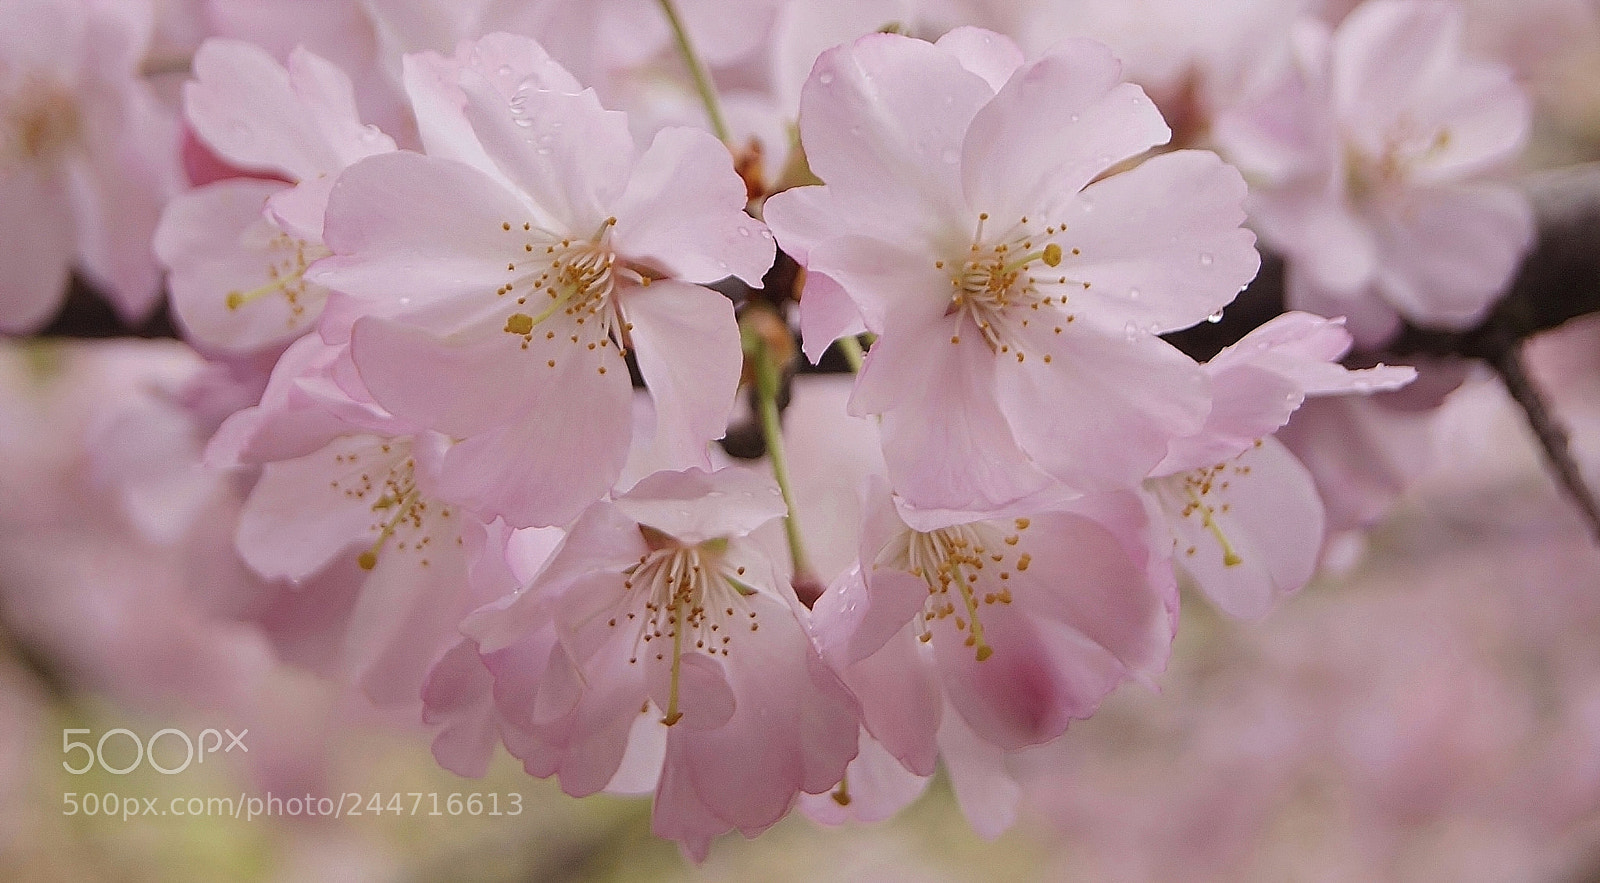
pixel 850 345
pixel 768 379
pixel 697 70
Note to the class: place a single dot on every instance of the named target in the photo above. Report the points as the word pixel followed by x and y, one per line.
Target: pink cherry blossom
pixel 1017 289
pixel 1369 152
pixel 661 650
pixel 87 157
pixel 238 249
pixel 1246 517
pixel 505 282
pixel 347 505
pixel 975 639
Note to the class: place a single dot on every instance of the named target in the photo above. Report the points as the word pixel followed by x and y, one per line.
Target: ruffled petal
pixel 683 212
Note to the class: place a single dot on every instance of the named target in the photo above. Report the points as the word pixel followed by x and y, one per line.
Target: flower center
pixel 1200 495
pixel 690 597
pixel 41 122
pixel 965 568
pixel 1003 282
pixel 1366 175
pixel 384 474
pixel 287 260
pixel 559 279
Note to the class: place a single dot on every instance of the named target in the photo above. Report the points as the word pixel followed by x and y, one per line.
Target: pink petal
pixel 1450 251
pixel 329 102
pixel 411 230
pixel 1486 116
pixel 1386 55
pixel 36 225
pixel 294 523
pixel 1042 675
pixel 683 212
pixel 442 384
pixel 1100 413
pixel 945 438
pixel 1057 124
pixel 826 314
pixel 686 340
pixel 458 698
pixel 1247 403
pixel 118 191
pixel 704 697
pixel 871 134
pixel 1081 576
pixel 542 469
pixel 694 506
pixel 406 618
pixel 988 54
pixel 901 699
pixel 1330 245
pixel 571 156
pixel 984 789
pixel 215 241
pixel 884 279
pixel 1273 523
pixel 879 788
pixel 801 217
pixel 1160 245
pixel 795 728
pixel 507 61
pixel 242 105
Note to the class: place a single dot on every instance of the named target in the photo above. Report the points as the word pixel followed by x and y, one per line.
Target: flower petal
pixel 683 212
pixel 686 341
pixel 408 230
pixel 1100 413
pixel 1160 245
pixel 1057 124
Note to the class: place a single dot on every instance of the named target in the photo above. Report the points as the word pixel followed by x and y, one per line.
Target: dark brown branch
pixel 1551 433
pixel 87 314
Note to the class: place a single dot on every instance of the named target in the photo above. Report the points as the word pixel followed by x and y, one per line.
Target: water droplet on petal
pixel 765 233
pixel 1073 118
pixel 1131 331
pixel 405 301
pixel 1214 318
pixel 1133 294
pixel 505 70
pixel 745 232
pixel 825 78
pixel 1206 259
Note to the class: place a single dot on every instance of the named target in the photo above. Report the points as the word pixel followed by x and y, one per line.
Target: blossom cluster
pixel 437 246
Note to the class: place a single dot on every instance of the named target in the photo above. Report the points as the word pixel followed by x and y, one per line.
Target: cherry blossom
pixel 660 649
pixel 1246 517
pixel 1369 153
pixel 1016 287
pixel 507 281
pixel 87 157
pixel 975 639
pixel 238 249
